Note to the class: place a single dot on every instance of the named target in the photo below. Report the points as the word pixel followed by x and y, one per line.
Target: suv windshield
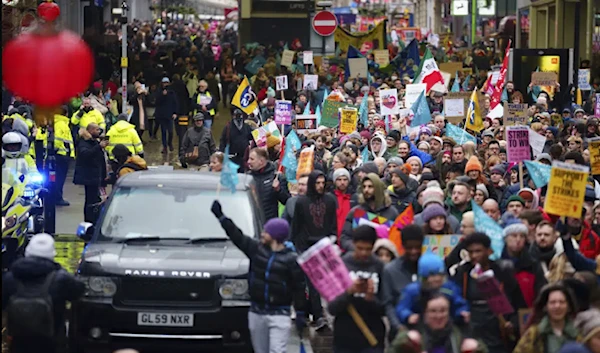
pixel 173 213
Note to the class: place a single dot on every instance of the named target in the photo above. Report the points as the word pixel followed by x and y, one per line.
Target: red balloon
pixel 47 70
pixel 48 11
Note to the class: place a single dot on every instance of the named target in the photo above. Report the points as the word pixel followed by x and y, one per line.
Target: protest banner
pixel 330 113
pixel 517 147
pixel 260 134
pixel 311 82
pixel 327 272
pixel 594 148
pixel 358 67
pixel 282 82
pixel 454 107
pixel 361 217
pixel 566 189
pixel 376 37
pixel 287 58
pixel 307 58
pixel 389 101
pixel 306 123
pixel 283 112
pixel 306 161
pixel 544 78
pixel 348 120
pixel 441 245
pixel 583 79
pixel 490 289
pixel 413 90
pixel 515 114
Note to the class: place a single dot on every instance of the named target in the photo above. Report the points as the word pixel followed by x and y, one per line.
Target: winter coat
pixel 402 198
pixel 396 276
pixel 410 304
pixel 528 273
pixel 270 198
pixel 589 241
pixel 403 344
pixel 275 279
pixel 90 163
pixel 33 270
pixel 237 139
pixel 166 105
pixel 535 339
pixel 203 139
pixel 132 164
pixel 579 262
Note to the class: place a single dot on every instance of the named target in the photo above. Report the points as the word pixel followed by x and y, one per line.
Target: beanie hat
pixel 433 194
pixel 588 324
pixel 365 134
pixel 432 211
pixel 415 158
pixel 473 164
pixel 278 229
pixel 427 176
pixel 545 156
pixel 498 169
pixel 395 134
pixel 272 140
pixel 516 198
pixel 341 172
pixel 41 245
pixel 430 264
pixel 484 190
pixel 514 226
pixel 395 160
pixel 121 151
pixel 400 175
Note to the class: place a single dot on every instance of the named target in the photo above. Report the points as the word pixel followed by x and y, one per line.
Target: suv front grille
pixel 170 292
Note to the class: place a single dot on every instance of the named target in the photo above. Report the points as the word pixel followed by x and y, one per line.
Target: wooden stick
pixel 521 175
pixel 282 96
pixel 358 320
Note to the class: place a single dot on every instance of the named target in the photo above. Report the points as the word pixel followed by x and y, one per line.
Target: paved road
pixel 68 218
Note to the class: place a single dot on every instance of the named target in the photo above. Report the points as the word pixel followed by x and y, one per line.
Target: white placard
pixel 358 67
pixel 307 58
pixel 537 142
pixel 413 91
pixel 282 82
pixel 310 82
pixel 388 102
pixel 454 107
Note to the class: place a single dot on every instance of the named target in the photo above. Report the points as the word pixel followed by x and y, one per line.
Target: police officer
pixel 125 134
pixel 65 152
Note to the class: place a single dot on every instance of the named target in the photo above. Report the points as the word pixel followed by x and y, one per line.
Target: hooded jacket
pixel 382 152
pixel 132 164
pixel 269 198
pixel 33 270
pixel 528 273
pixel 124 133
pixel 536 199
pixel 314 215
pixel 203 139
pixel 382 206
pixel 402 198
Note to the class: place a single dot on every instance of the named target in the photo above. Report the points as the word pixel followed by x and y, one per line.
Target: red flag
pixel 497 95
pixel 281 154
pixel 405 218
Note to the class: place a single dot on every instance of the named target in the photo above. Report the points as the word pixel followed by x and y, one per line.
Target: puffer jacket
pixel 205 142
pixel 270 198
pixel 275 279
pixel 90 164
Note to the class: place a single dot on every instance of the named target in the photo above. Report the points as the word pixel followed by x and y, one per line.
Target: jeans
pixel 269 333
pixel 166 132
pixel 91 208
pixel 62 167
pixel 208 123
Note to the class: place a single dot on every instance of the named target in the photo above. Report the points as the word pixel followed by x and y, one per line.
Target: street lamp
pixel 124 61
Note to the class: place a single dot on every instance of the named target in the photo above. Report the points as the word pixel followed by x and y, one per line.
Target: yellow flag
pixel 244 98
pixel 578 99
pixel 474 120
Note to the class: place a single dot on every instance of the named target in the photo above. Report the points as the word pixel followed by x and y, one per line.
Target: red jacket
pixel 589 242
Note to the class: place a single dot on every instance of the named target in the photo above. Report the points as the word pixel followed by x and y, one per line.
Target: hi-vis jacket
pixel 124 133
pixel 210 106
pixel 63 139
pixel 93 116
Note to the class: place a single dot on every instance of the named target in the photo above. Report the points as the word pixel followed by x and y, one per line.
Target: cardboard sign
pixel 325 269
pixel 441 245
pixel 287 58
pixel 283 112
pixel 454 107
pixel 382 57
pixel 451 67
pixel 517 147
pixel 307 58
pixel 490 289
pixel 515 114
pixel 544 78
pixel 566 189
pixel 358 67
pixel 537 142
pixel 310 82
pixel 306 123
pixel 306 161
pixel 330 115
pixel 583 79
pixel 412 93
pixel 260 134
pixel 594 148
pixel 282 82
pixel 348 120
pixel 388 103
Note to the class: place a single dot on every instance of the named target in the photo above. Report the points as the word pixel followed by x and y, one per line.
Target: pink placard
pixel 326 270
pixel 491 291
pixel 517 146
pixel 597 106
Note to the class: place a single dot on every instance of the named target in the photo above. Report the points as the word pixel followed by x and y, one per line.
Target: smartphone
pixel 144 87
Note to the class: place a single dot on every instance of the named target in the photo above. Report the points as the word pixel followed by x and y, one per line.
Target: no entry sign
pixel 324 23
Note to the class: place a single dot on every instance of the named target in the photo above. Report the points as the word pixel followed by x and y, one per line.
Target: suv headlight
pixel 234 289
pixel 99 286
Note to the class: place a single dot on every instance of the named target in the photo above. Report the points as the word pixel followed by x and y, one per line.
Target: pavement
pixel 69 248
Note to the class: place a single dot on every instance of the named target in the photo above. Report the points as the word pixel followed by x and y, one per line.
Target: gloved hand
pixel 183 163
pixel 562 229
pixel 300 322
pixel 216 209
pixel 80 113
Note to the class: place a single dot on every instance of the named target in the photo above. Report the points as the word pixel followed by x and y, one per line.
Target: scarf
pixel 239 123
pixel 539 254
pixel 438 340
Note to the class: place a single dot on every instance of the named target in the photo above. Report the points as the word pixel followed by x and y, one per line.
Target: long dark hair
pixel 539 307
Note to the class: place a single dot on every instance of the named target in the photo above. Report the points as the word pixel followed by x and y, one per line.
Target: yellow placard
pixel 348 120
pixel 382 57
pixel 124 62
pixel 305 162
pixel 287 58
pixel 566 189
pixel 594 147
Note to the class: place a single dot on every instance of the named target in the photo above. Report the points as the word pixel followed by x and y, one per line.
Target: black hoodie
pixel 314 215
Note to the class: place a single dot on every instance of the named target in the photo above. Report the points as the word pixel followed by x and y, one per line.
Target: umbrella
pixel 232 25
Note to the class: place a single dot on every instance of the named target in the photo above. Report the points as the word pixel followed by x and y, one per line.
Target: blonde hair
pixel 537 127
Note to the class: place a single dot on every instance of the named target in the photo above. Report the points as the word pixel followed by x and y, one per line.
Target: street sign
pixel 324 23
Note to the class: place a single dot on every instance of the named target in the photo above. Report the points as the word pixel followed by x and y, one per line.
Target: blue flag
pixel 318 114
pixel 459 135
pixel 456 85
pixel 292 142
pixel 255 64
pixel 421 110
pixel 307 109
pixel 363 113
pixel 365 154
pixel 465 85
pixel 369 79
pixel 485 224
pixel 325 95
pixel 386 119
pixel 353 53
pixel 539 173
pixel 504 97
pixel 229 173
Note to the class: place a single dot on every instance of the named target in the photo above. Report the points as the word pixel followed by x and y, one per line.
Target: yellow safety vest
pixel 206 94
pixel 124 133
pixel 93 116
pixel 63 140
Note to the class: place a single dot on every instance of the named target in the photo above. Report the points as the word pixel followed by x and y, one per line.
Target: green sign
pixel 330 114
